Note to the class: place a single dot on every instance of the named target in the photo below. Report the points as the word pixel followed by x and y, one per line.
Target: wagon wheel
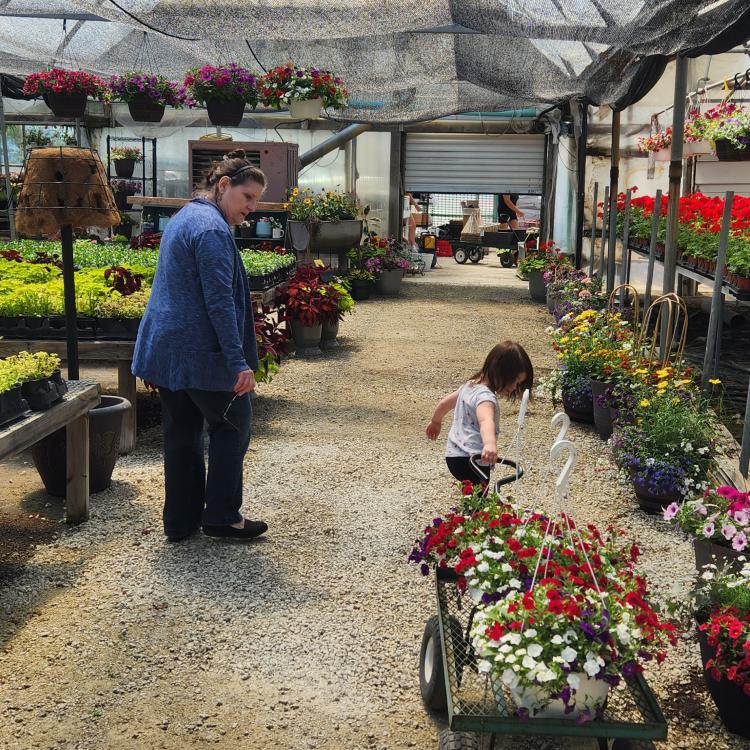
pixel 450 740
pixel 507 260
pixel 475 254
pixel 432 682
pixel 460 255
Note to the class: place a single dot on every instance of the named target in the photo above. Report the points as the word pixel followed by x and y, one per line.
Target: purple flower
pixel 424 568
pixel 709 529
pixel 728 530
pixel 629 670
pixel 671 511
pixel 739 542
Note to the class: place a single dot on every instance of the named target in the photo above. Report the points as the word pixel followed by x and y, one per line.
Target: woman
pixel 197 344
pixel 508 211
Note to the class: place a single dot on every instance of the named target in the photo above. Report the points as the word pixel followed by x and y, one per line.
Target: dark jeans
pixel 192 498
pixel 462 469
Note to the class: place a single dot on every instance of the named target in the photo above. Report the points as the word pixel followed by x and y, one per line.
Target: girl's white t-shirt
pixel 464 438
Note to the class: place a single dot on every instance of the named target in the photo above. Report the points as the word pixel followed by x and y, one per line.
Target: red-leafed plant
pixel 310 301
pixel 271 337
pixel 123 280
pixel 11 255
pixel 149 240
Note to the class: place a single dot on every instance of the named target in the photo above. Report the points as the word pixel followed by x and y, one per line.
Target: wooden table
pixel 73 414
pixel 106 352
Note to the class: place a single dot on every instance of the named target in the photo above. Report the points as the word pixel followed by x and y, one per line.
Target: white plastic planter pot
pixel 305 109
pixel 590 694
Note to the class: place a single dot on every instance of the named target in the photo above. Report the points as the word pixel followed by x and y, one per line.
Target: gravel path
pixel 111 638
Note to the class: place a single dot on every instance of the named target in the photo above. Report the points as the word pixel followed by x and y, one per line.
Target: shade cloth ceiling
pixel 403 60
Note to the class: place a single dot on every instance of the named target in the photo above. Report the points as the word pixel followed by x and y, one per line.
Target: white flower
pixel 506 568
pixel 483 567
pixel 529 662
pixel 510 658
pixel 545 675
pixel 623 633
pixel 569 635
pixel 514 583
pixel 530 633
pixel 535 650
pixel 506 648
pixel 557 640
pixel 568 654
pixel 509 678
pixel 484 666
pixel 574 681
pixel 591 668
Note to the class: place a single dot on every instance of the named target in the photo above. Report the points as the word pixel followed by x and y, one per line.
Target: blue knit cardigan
pixel 198 329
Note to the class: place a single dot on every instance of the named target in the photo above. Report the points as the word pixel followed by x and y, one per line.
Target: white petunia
pixel 591 668
pixel 514 583
pixel 484 666
pixel 530 633
pixel 506 568
pixel 509 678
pixel 483 567
pixel 623 633
pixel 574 681
pixel 568 654
pixel 535 650
pixel 528 662
pixel 557 640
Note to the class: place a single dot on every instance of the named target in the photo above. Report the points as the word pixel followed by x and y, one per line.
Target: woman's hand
pixel 489 454
pixel 245 382
pixel 433 429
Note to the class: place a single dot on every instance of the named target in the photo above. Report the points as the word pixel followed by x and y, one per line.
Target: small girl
pixel 507 371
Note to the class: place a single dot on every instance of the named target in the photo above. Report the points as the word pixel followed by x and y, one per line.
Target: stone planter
pixel 650 502
pixel 709 553
pixel 329 335
pixel 124 167
pixel 105 426
pixel 306 338
pixel 537 287
pixel 389 282
pixel 226 113
pixel 145 109
pixel 602 414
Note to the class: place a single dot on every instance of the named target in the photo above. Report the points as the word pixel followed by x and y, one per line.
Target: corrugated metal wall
pixel 459 163
pixel 714 177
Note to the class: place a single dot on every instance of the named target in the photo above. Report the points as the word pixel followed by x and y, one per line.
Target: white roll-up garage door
pixel 459 163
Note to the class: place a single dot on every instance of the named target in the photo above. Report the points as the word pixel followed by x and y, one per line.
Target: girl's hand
pixel 433 429
pixel 489 454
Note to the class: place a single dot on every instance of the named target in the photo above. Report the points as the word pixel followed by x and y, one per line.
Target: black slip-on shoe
pixel 250 530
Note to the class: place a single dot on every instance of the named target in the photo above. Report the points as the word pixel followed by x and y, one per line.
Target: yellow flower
pixel 662 384
pixel 641 371
pixel 295 191
pixel 644 402
pixel 714 381
pixel 676 400
pixel 564 339
pixel 585 315
pixel 662 373
pixel 308 201
pixel 577 351
pixel 286 205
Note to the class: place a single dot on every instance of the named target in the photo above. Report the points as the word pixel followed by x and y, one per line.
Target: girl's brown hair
pixel 502 367
pixel 237 167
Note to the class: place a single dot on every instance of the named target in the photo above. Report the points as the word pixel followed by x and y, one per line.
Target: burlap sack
pixel 64 186
pixel 473 227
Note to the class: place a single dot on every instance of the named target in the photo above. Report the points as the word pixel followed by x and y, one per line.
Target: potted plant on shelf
pixel 121 189
pixel 12 404
pixel 35 373
pixel 65 91
pixel 303 90
pixel 719 523
pixel 125 159
pixel 224 90
pixel 147 95
pixel 323 222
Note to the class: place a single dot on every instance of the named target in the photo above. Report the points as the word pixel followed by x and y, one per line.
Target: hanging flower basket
pixel 697 148
pixel 225 112
pixel 663 154
pixel 125 159
pixel 727 151
pixel 147 95
pixel 65 91
pixel 224 91
pixel 66 105
pixel 305 109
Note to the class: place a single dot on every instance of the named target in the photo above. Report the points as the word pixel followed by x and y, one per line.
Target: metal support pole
pixel 652 249
pixel 745 452
pixel 69 290
pixel 581 181
pixel 6 169
pixel 716 296
pixel 675 174
pixel 154 175
pixel 614 175
pixel 594 212
pixel 625 252
pixel 605 214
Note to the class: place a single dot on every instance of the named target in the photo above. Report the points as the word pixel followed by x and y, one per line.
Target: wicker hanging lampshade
pixel 64 186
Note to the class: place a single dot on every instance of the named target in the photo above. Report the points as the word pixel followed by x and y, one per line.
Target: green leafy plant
pixel 327 205
pixel 126 152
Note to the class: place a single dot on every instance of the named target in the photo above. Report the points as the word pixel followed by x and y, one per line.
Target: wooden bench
pixel 73 414
pixel 106 352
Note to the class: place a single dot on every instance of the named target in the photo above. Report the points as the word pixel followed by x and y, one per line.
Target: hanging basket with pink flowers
pixel 65 91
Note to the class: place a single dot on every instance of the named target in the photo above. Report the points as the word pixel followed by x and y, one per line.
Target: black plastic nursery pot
pixel 121 199
pixel 602 414
pixel 651 502
pixel 40 394
pixel 708 553
pixel 225 113
pixel 579 410
pixel 361 289
pixel 124 167
pixel 126 230
pixel 537 287
pixel 105 426
pixel 726 151
pixel 731 701
pixel 12 405
pixel 144 109
pixel 66 104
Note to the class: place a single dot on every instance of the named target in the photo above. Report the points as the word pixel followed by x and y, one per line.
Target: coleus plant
pixel 310 301
pixel 123 280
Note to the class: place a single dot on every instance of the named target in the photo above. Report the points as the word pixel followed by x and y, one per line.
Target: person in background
pixel 197 345
pixel 411 221
pixel 508 211
pixel 507 371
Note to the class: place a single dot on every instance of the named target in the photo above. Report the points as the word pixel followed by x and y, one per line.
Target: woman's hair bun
pixel 238 153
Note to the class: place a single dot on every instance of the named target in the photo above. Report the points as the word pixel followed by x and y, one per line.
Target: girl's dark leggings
pixel 462 469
